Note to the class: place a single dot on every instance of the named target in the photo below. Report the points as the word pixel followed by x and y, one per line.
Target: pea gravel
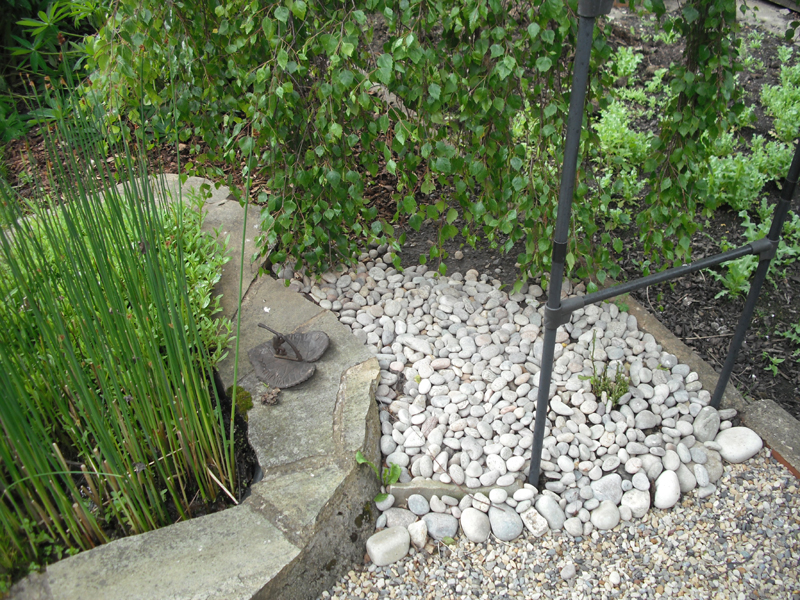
pixel 741 543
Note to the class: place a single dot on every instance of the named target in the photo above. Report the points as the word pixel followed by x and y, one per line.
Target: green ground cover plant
pixel 783 102
pixel 735 275
pixel 111 424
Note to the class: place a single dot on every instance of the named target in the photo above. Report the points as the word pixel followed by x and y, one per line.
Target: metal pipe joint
pixel 555 317
pixel 765 248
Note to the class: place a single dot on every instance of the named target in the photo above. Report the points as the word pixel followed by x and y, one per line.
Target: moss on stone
pixel 244 401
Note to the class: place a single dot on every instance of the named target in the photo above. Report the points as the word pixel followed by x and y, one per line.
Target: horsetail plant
pixel 111 424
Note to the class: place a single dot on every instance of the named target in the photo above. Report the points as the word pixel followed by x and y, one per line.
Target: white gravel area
pixel 741 543
pixel 653 495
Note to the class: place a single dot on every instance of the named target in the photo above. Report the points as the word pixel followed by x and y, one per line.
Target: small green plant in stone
pixel 607 386
pixel 244 400
pixel 388 476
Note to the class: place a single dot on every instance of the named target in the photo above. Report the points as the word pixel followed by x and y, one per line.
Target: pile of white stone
pixel 460 363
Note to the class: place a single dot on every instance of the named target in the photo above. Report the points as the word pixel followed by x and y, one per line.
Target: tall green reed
pixel 110 419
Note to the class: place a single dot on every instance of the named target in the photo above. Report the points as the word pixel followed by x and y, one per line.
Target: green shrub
pixel 295 84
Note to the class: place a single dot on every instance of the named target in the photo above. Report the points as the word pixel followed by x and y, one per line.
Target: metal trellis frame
pixel 558 312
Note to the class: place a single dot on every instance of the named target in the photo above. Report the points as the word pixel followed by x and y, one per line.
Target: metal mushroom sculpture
pixel 288 359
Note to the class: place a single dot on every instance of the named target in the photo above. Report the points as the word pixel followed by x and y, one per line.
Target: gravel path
pixel 742 542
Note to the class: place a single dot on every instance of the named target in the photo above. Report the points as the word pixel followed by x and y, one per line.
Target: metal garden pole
pixel 588 10
pixel 778 218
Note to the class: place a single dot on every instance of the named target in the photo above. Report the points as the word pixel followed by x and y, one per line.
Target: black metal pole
pixel 588 10
pixel 778 218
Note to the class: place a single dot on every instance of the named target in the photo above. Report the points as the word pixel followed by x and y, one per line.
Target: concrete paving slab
pixel 353 418
pixel 779 430
pixel 287 311
pixel 298 497
pixel 227 555
pixel 300 426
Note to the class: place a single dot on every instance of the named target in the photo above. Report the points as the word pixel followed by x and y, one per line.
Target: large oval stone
pixel 388 546
pixel 738 444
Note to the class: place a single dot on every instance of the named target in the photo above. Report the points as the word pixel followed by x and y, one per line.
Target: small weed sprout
pixel 389 475
pixel 607 386
pixel 785 54
pixel 772 363
pixel 793 335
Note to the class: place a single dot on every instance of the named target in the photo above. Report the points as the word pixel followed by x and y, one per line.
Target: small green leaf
pixel 448 540
pixel 333 177
pixel 361 460
pixel 282 14
pixel 690 13
pixel 246 144
pixel 380 498
pixel 392 474
pixel 400 135
pixel 443 164
pixel 543 63
pixel 299 9
pixel 533 30
pixel 427 184
pixel 283 58
pixel 452 215
pixel 435 91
